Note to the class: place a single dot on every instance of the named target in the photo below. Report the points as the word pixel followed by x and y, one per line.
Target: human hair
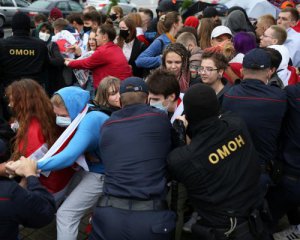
pixel 162 81
pixel 185 38
pixel 186 29
pixel 267 19
pixel 60 24
pixel 93 16
pixel 184 75
pixel 130 24
pixel 40 18
pixel 259 74
pixel 57 101
pixel 88 44
pixel 166 22
pixel 243 42
pixel 136 18
pixel 279 33
pixel 130 98
pixel 103 18
pixel 294 13
pixel 75 17
pixel 110 31
pixel 219 59
pixel 147 11
pixel 48 26
pixel 89 9
pixel 30 101
pixel 204 34
pixel 276 57
pixel 102 94
pixel 118 10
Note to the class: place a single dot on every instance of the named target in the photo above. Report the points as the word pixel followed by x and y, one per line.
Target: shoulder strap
pixel 161 44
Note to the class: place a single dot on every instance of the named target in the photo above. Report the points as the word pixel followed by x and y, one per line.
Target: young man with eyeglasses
pixel 212 68
pixel 274 35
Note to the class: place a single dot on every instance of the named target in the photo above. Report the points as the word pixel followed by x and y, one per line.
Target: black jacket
pixel 55 69
pixel 290 138
pixel 22 56
pixel 33 207
pixel 219 169
pixel 137 48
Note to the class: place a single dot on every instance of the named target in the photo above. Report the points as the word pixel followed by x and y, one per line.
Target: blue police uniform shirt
pixel 134 144
pixel 290 140
pixel 262 107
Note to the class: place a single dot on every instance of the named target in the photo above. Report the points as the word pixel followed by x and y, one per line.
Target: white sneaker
pixel 291 233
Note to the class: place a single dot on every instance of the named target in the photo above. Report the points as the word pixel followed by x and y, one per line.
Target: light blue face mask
pixel 160 106
pixel 63 121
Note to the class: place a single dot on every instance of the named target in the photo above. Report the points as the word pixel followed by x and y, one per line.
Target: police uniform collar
pixel 194 129
pixel 253 81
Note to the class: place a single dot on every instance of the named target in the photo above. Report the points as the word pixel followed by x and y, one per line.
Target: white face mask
pixel 44 36
pixel 63 121
pixel 160 106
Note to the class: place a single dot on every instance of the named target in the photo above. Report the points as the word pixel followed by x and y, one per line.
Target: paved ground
pixel 49 232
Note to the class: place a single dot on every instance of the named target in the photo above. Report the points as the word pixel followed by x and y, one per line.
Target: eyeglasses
pixel 207 70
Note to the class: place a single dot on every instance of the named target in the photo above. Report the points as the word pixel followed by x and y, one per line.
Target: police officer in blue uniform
pixel 285 197
pixel 261 106
pixel 33 207
pixel 134 143
pixel 219 168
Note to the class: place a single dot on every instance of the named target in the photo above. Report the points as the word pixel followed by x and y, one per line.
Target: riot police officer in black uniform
pixel 22 56
pixel 219 169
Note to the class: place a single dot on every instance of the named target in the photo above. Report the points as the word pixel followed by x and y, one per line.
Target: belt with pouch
pixel 132 204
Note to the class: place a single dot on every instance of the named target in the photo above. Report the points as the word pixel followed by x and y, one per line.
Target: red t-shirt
pixel 57 180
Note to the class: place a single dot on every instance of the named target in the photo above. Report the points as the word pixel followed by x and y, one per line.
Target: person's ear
pixel 191 46
pixel 274 41
pixel 272 70
pixel 171 97
pixel 221 72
